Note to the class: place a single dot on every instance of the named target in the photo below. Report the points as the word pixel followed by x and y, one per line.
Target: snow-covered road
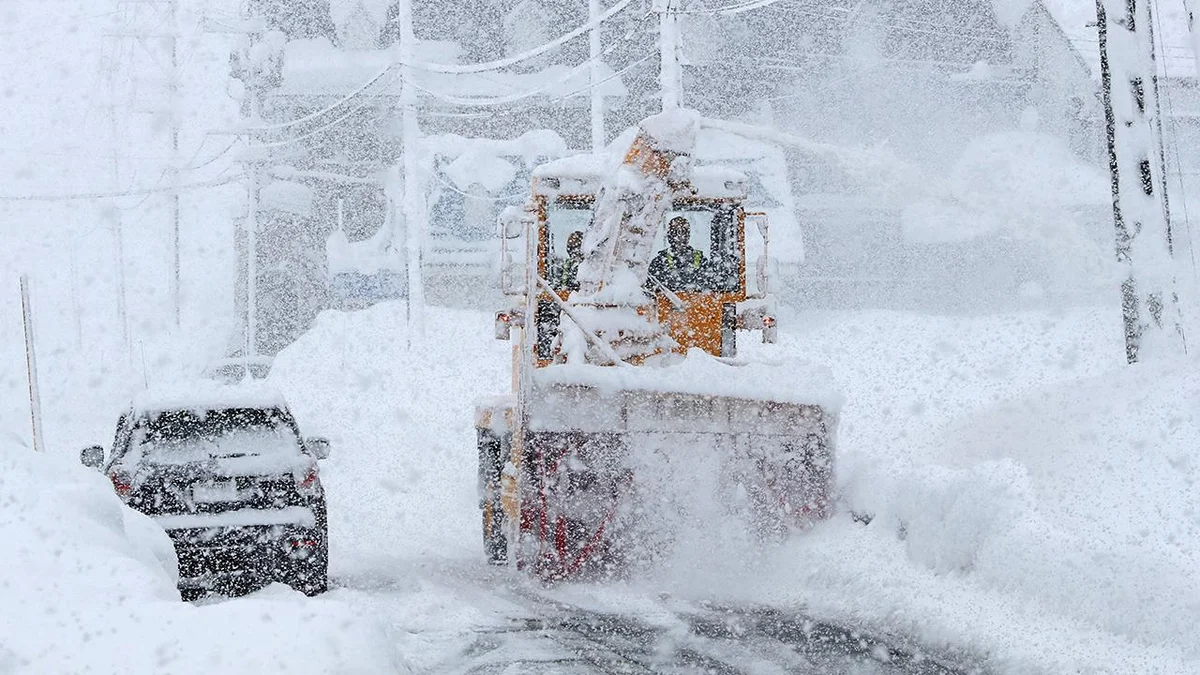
pixel 985 447
pixel 524 627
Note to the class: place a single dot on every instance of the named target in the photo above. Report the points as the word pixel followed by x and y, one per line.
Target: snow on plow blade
pixel 616 479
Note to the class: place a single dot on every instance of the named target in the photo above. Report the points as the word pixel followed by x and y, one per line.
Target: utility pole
pixel 113 71
pixel 413 211
pixel 251 72
pixel 173 165
pixel 594 55
pixel 1141 214
pixel 253 184
pixel 168 36
pixel 670 76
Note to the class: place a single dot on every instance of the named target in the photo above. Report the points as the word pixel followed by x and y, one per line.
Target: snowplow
pixel 631 420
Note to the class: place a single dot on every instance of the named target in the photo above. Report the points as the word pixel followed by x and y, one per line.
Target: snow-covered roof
pixel 208 395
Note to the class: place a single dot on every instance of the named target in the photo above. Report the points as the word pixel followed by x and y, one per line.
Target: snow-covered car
pixel 225 471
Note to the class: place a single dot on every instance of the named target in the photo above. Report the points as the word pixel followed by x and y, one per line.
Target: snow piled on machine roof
pixel 780 381
pixel 208 395
pixel 673 130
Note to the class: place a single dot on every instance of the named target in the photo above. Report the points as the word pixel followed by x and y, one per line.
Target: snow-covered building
pixel 925 79
pixel 323 75
pixel 930 83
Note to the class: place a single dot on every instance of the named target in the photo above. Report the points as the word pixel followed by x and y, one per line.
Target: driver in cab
pixel 679 267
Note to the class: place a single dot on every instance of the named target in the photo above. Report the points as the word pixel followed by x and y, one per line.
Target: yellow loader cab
pixel 705 314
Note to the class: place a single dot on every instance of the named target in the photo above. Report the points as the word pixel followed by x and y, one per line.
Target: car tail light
pixel 122 483
pixel 310 484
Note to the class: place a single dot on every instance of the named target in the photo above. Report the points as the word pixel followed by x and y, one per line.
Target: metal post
pixel 594 56
pixel 252 262
pixel 413 213
pixel 35 398
pixel 1137 168
pixel 122 294
pixel 173 169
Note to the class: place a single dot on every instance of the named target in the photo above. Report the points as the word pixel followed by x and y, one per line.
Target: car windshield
pixel 189 435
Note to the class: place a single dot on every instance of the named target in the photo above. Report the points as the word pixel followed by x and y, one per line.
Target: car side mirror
pixel 318 447
pixel 93 457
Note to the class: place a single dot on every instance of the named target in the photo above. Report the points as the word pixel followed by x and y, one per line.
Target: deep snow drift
pixel 1034 505
pixel 89 587
pixel 1042 488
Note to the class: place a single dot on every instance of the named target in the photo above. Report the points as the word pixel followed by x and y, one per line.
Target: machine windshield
pixel 703 256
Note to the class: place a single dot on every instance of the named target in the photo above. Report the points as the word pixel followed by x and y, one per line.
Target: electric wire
pixel 523 56
pixel 529 93
pixel 79 196
pixel 1183 199
pixel 307 118
pixel 59 25
pixel 323 127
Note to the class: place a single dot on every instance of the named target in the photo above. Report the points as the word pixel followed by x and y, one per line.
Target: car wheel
pixel 310 575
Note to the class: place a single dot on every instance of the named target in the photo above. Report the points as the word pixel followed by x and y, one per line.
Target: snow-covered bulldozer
pixel 630 418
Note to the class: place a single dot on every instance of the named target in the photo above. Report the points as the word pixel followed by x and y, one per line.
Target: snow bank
pixel 1022 183
pixel 1034 500
pixel 89 587
pixel 400 478
pixel 1073 507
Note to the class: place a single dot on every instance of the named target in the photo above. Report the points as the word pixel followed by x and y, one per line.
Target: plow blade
pixel 614 480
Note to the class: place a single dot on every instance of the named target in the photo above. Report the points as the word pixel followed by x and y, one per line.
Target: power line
pixel 60 25
pixel 1187 225
pixel 529 93
pixel 328 125
pixel 310 117
pixel 523 56
pixel 78 196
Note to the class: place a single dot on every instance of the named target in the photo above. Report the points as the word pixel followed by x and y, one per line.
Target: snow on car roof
pixel 208 395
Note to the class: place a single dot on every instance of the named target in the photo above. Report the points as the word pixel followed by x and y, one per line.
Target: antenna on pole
pixel 35 397
pixel 594 54
pixel 414 215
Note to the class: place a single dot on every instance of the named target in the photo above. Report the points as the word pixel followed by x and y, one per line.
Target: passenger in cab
pixel 680 267
pixel 565 273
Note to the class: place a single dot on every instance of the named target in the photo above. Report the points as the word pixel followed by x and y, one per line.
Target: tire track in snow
pixel 724 640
